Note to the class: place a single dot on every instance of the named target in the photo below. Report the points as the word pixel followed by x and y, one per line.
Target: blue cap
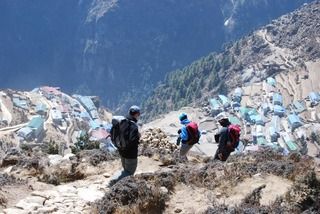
pixel 134 110
pixel 183 116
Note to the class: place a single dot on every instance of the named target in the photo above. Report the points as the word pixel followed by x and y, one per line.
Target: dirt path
pixel 281 56
pixel 73 197
pixel 189 200
pixel 170 125
pixel 275 186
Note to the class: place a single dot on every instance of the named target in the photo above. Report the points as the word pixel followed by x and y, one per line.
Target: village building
pixel 294 122
pixel 224 101
pixel 277 99
pixel 56 116
pixel 51 92
pixel 37 126
pixel 41 109
pixel 215 107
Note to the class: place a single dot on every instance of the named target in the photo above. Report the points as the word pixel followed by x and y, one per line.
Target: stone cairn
pixel 156 138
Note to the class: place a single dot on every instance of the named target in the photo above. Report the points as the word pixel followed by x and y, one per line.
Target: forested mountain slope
pixel 285 44
pixel 118 49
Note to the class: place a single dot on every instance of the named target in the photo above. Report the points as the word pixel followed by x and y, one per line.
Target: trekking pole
pixel 199 149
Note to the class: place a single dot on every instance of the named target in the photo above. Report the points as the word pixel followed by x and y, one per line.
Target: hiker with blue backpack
pixel 228 137
pixel 125 136
pixel 189 134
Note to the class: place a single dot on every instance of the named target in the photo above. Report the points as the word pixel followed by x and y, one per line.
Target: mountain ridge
pixel 111 48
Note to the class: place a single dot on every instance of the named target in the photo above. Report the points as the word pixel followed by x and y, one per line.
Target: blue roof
pixel 293 118
pixel 258 118
pixel 279 109
pixel 94 125
pixel 86 102
pixel 94 114
pixel 275 123
pixel 271 81
pixel 20 103
pixel 236 104
pixel 224 99
pixel 272 130
pixel 41 107
pixel 299 106
pixel 25 130
pixel 108 127
pixel 84 114
pixel 277 98
pixel 265 105
pixel 215 104
pixel 314 96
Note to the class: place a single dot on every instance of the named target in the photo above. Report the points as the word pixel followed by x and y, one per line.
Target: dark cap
pixel 134 109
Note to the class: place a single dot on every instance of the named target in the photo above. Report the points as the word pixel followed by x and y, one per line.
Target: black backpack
pixel 120 132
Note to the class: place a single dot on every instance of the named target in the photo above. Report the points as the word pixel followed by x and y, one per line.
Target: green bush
pixel 53 148
pixel 84 143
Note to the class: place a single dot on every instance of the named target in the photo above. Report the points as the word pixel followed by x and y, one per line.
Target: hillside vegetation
pixel 283 45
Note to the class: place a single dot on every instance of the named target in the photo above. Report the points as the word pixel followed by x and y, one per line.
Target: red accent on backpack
pixel 234 137
pixel 193 132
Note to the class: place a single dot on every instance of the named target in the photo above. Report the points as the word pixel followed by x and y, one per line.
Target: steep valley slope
pixel 118 49
pixel 55 156
pixel 289 44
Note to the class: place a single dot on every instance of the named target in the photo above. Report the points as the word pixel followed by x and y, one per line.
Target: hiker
pixel 188 135
pixel 125 136
pixel 227 138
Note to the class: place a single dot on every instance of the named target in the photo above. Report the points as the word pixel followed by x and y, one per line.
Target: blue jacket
pixel 184 132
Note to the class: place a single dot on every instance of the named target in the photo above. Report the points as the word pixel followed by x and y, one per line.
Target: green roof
pixel 292 146
pixel 261 141
pixel 244 110
pixel 248 111
pixel 36 122
pixel 253 112
pixel 215 104
pixel 224 99
pixel 235 120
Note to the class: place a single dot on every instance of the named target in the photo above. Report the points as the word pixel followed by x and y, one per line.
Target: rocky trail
pixel 180 200
pixel 73 197
pixel 159 185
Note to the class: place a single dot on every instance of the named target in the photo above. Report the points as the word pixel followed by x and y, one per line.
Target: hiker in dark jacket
pixel 222 138
pixel 184 136
pixel 129 157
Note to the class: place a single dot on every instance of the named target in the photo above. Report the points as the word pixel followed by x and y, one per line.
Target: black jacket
pixel 223 139
pixel 134 137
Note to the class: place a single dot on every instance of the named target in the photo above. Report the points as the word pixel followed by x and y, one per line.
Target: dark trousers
pixel 129 167
pixel 222 155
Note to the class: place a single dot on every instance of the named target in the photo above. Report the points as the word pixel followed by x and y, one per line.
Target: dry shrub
pixel 95 156
pixel 3 200
pixel 65 171
pixel 140 194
